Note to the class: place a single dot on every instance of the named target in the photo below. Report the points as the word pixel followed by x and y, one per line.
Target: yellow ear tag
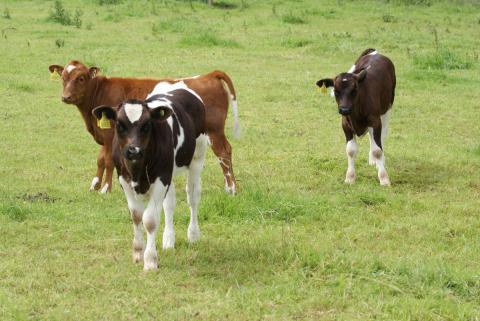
pixel 103 122
pixel 54 75
pixel 323 89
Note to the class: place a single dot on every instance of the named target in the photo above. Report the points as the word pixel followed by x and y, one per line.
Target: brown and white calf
pixel 364 97
pixel 155 139
pixel 83 87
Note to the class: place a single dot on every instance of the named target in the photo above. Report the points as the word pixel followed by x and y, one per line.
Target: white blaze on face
pixel 70 68
pixel 133 111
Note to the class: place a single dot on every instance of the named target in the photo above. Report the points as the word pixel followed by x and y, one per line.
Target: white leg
pixel 136 208
pixel 194 187
pixel 95 181
pixel 379 157
pixel 151 221
pixel 168 208
pixel 351 150
pixel 382 172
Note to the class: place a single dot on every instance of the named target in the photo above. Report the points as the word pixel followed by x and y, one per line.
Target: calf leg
pixel 109 166
pixel 378 155
pixel 222 149
pixel 194 187
pixel 351 150
pixel 168 208
pixel 97 180
pixel 136 211
pixel 151 221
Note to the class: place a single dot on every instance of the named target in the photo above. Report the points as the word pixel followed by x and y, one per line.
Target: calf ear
pixel 56 68
pixel 361 75
pixel 327 82
pixel 93 71
pixel 109 112
pixel 160 113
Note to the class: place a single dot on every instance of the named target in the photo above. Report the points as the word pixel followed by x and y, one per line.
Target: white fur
pixel 352 69
pixel 168 208
pixel 104 189
pixel 236 124
pixel 161 102
pixel 133 111
pixel 377 154
pixel 95 181
pixel 351 150
pixel 69 68
pixel 194 187
pixel 165 88
pixel 136 207
pixel 373 53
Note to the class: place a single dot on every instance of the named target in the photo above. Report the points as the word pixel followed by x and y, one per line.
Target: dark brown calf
pixel 364 97
pixel 84 88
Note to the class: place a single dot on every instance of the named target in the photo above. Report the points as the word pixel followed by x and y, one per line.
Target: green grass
pixel 296 243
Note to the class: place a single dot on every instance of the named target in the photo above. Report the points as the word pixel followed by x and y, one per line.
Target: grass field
pixel 296 243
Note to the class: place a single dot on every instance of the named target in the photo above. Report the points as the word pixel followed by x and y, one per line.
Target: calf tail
pixel 232 96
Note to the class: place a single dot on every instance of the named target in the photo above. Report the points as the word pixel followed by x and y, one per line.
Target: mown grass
pixel 296 243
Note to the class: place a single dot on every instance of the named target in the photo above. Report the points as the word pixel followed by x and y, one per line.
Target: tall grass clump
pixel 442 59
pixel 6 14
pixel 61 15
pixel 208 39
pixel 293 19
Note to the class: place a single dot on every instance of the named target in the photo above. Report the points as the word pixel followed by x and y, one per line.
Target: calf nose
pixel 133 153
pixel 66 98
pixel 345 110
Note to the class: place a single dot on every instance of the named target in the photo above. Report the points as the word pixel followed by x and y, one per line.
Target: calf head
pixel 345 88
pixel 77 79
pixel 134 122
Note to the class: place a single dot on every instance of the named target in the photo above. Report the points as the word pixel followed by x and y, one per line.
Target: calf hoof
pixel 137 256
pixel 350 177
pixel 230 190
pixel 383 178
pixel 193 234
pixel 150 261
pixel 105 189
pixel 95 185
pixel 168 240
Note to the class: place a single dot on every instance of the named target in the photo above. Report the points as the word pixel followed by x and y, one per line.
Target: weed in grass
pixel 14 212
pixel 224 5
pixel 60 43
pixel 208 39
pixel 293 19
pixel 109 2
pixel 59 14
pixel 388 18
pixel 77 18
pixel 295 43
pixel 6 14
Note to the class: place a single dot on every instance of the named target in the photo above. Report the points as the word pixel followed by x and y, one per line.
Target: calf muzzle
pixel 133 153
pixel 345 110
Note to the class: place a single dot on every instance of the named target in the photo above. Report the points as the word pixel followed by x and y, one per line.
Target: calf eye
pixel 81 79
pixel 121 129
pixel 145 128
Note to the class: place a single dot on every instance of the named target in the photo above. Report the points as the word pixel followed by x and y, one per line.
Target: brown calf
pixel 85 89
pixel 364 96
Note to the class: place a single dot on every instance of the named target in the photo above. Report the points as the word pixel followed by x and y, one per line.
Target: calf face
pixel 345 87
pixel 133 124
pixel 76 79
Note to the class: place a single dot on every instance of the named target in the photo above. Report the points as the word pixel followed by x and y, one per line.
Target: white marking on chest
pixel 373 53
pixel 70 68
pixel 165 88
pixel 133 111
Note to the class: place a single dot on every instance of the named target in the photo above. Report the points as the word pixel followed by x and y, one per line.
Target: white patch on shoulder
pixel 133 111
pixel 165 88
pixel 352 69
pixel 373 53
pixel 70 68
